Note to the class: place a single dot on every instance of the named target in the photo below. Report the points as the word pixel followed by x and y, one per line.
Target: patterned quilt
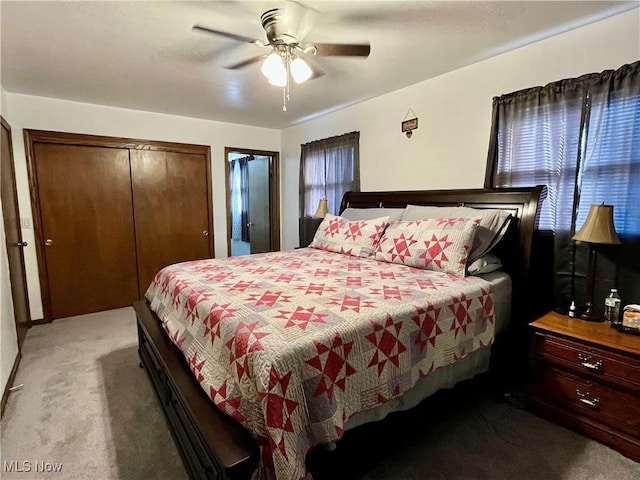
pixel 292 344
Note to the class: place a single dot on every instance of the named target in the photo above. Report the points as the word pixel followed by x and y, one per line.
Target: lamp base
pixel 589 314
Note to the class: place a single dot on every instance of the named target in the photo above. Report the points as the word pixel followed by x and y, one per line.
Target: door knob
pixel 21 244
pixel 48 242
pixel 205 233
pixel 249 225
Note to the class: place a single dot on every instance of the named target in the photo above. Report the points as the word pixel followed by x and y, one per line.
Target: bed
pixel 308 343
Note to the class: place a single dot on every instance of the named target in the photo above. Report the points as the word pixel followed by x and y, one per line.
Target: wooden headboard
pixel 515 248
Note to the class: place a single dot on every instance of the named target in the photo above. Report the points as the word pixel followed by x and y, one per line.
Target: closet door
pixel 86 216
pixel 171 206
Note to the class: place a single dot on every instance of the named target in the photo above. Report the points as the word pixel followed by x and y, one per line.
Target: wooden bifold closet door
pixel 109 213
pixel 87 222
pixel 166 185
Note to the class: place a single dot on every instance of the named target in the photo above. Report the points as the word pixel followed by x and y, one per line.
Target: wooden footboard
pixel 212 444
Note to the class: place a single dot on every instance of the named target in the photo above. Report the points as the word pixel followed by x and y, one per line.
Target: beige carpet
pixel 88 406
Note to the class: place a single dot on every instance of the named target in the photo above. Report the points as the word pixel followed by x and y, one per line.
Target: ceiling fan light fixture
pixel 300 71
pixel 279 80
pixel 273 68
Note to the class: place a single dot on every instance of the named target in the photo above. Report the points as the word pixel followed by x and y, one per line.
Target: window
pixel 610 170
pixel 328 168
pixel 581 138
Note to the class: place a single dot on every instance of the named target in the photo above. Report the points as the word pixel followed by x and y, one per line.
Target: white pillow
pixel 485 264
pixel 371 213
pixel 493 223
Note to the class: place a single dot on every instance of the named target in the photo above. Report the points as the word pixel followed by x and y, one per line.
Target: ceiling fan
pixel 288 57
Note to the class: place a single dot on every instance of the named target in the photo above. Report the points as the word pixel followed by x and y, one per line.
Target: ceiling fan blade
pixel 233 36
pixel 342 50
pixel 245 63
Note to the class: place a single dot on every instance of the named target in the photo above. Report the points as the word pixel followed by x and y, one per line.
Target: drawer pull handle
pixel 583 397
pixel 587 363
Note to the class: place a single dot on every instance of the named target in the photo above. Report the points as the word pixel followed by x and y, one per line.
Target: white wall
pixel 449 149
pixel 51 114
pixel 8 335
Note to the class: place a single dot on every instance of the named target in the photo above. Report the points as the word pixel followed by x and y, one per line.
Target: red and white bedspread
pixel 291 344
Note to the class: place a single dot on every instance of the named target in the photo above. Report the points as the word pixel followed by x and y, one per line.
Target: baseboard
pixel 7 387
pixel 39 321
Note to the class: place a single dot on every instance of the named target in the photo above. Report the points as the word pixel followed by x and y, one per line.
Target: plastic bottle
pixel 612 307
pixel 572 309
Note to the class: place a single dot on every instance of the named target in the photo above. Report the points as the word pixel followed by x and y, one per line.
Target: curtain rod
pixel 336 137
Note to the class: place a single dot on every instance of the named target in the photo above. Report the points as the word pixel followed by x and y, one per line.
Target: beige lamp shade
pixel 598 227
pixel 322 210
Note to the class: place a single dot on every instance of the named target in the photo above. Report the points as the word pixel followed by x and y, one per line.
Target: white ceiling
pixel 143 55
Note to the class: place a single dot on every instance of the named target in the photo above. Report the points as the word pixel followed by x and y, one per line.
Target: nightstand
pixel 587 378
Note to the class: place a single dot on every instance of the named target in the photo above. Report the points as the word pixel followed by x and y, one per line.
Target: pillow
pixel 494 223
pixel 359 238
pixel 369 213
pixel 438 244
pixel 485 264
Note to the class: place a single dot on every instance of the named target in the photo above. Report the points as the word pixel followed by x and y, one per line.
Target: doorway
pixel 253 205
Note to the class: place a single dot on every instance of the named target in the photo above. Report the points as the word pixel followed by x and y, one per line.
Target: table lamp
pixel 598 229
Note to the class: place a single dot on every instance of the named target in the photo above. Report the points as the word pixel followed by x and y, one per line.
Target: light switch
pixel 25 222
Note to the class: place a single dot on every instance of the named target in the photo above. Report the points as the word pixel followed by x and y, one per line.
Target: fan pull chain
pixel 285 90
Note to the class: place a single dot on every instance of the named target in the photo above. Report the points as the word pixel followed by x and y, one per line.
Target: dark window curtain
pixel 328 169
pixel 581 138
pixel 239 181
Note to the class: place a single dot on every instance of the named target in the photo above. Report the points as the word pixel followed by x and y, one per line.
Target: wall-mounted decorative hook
pixel 410 124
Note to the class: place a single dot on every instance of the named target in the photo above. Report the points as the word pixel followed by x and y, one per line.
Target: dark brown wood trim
pixel 212 245
pixel 227 194
pixel 10 380
pixel 66 138
pixel 275 193
pixel 39 321
pixel 31 137
pixel 275 202
pixel 37 226
pixel 6 125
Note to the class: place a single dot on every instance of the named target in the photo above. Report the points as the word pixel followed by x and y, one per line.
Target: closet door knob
pixel 205 233
pixel 48 242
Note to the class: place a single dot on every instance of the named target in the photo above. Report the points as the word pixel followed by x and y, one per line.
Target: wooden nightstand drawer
pixel 588 379
pixel 582 359
pixel 592 399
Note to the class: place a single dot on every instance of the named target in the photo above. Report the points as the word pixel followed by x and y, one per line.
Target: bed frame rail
pixel 213 446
